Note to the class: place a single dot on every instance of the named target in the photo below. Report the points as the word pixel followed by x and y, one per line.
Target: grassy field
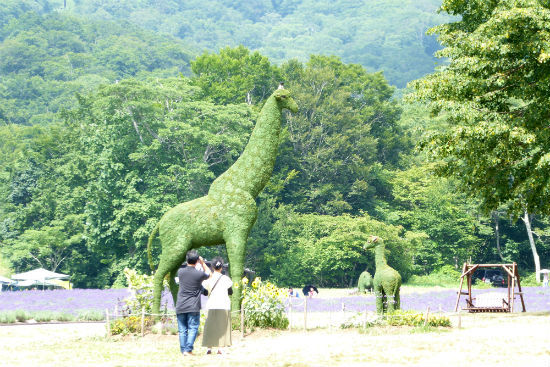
pixel 483 340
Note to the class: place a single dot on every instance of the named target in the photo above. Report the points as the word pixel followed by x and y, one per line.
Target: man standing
pixel 188 303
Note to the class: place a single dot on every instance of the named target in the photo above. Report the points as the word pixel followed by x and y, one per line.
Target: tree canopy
pixel 494 94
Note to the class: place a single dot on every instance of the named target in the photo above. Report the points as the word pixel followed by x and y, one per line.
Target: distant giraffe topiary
pixel 387 280
pixel 228 212
pixel 365 283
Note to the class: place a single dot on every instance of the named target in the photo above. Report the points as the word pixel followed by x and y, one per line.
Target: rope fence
pixel 339 313
pixel 301 316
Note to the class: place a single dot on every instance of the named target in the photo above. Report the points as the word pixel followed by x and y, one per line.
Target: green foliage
pixel 141 286
pixel 530 280
pixel 45 316
pixel 413 318
pixel 335 147
pixel 10 317
pixel 235 76
pixel 446 276
pixel 263 305
pixel 440 217
pixel 22 315
pixel 46 58
pixel 130 325
pixel 396 318
pixel 494 94
pixel 480 284
pixel 386 35
pixel 90 315
pixel 325 250
pixel 7 317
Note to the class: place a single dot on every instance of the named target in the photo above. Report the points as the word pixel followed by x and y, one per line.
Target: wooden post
pixel 289 313
pixel 470 287
pixel 427 315
pixel 520 292
pixel 242 320
pixel 330 316
pixel 108 322
pixel 513 287
pixel 143 321
pixel 459 319
pixel 305 313
pixel 460 287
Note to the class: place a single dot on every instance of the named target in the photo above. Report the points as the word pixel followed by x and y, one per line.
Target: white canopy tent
pixel 38 277
pixel 4 280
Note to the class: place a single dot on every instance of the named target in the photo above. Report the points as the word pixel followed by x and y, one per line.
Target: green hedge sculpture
pixel 387 280
pixel 365 282
pixel 228 212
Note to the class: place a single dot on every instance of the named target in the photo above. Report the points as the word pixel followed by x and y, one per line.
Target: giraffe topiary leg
pixel 397 299
pixel 390 302
pixel 173 286
pixel 379 301
pixel 235 251
pixel 171 258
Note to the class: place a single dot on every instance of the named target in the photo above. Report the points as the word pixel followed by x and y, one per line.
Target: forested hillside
pixel 387 35
pixel 47 57
pixel 105 125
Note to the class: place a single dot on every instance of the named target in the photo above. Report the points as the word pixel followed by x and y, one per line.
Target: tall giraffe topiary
pixel 387 280
pixel 228 212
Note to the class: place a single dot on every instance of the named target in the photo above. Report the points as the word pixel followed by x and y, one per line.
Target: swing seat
pixel 489 302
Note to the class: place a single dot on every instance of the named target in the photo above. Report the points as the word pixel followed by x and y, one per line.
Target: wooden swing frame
pixel 507 305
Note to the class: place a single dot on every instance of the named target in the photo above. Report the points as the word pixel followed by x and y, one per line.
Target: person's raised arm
pixel 205 268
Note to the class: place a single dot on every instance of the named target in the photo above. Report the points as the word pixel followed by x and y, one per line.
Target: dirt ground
pixel 483 340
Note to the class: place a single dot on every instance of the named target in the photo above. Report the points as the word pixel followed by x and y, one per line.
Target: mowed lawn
pixel 483 340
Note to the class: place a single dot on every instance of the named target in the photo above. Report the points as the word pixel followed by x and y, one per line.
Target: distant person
pixel 188 305
pixel 217 329
pixel 309 290
pixel 292 292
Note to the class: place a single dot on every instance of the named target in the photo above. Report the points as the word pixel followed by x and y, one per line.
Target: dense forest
pixel 114 111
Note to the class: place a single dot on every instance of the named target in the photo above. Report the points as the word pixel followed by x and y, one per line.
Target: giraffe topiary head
pixel 372 242
pixel 284 100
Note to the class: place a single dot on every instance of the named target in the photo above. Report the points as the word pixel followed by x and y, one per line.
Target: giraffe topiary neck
pixel 253 168
pixel 380 256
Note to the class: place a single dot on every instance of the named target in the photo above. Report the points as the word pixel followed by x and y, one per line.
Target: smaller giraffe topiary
pixel 387 280
pixel 365 283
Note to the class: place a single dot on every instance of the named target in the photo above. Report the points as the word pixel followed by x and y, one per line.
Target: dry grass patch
pixel 484 340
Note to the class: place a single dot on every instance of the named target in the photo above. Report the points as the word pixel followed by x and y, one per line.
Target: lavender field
pixel 79 300
pixel 62 300
pixel 536 299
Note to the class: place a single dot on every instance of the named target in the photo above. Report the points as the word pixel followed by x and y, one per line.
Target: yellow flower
pixel 236 285
pixel 244 280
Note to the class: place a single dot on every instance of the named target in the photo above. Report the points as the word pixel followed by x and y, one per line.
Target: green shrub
pixel 64 316
pixel 130 325
pixel 263 304
pixel 360 320
pixel 413 318
pixel 7 317
pixel 530 280
pixel 22 315
pixel 91 315
pixel 480 284
pixel 43 316
pixel 446 276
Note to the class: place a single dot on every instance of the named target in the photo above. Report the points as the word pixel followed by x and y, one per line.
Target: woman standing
pixel 217 329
